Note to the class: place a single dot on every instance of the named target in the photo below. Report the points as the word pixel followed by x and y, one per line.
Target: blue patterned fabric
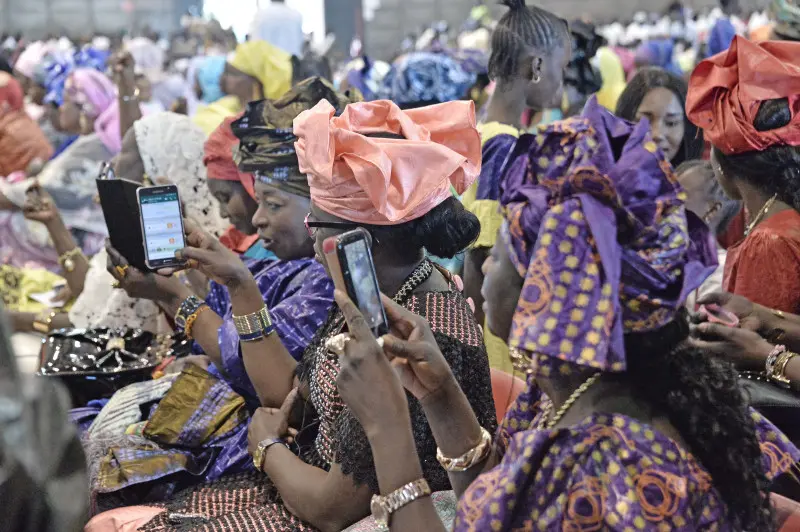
pixel 424 77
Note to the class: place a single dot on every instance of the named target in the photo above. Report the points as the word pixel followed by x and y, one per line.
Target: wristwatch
pixel 189 306
pixel 261 451
pixel 383 507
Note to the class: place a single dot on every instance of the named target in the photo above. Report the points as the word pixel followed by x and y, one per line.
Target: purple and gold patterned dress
pixel 608 472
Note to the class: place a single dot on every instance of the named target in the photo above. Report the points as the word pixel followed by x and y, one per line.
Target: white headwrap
pixel 171 148
pixel 148 58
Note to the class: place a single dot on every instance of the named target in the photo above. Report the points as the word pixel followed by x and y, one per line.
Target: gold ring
pixel 115 284
pixel 336 344
pixel 122 270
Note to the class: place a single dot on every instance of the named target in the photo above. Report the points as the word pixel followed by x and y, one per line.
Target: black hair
pixel 445 231
pixel 774 171
pixel 724 208
pixel 521 28
pixel 647 79
pixel 700 395
pixel 310 66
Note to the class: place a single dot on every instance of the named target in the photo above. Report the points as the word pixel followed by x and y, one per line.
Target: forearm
pixel 456 430
pixel 129 110
pixel 23 321
pixel 205 328
pixel 305 491
pixel 269 365
pixel 397 463
pixel 64 243
pixel 473 279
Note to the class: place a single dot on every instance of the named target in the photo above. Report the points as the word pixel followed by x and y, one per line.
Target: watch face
pixel 180 321
pixel 379 512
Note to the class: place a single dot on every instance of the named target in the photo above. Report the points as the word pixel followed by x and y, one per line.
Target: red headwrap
pixel 726 92
pixel 218 157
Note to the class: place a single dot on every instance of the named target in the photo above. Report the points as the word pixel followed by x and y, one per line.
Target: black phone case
pixel 121 211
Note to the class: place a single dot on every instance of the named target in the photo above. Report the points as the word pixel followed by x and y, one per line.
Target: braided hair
pixel 520 29
pixel 700 395
pixel 775 170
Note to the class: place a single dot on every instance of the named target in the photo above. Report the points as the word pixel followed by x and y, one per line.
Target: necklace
pixel 568 403
pixel 767 206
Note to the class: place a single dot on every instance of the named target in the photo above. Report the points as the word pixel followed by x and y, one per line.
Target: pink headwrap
pixel 97 97
pixel 380 181
pixel 30 58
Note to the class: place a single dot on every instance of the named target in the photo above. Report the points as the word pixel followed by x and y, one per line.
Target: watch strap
pixel 399 498
pixel 188 307
pixel 261 451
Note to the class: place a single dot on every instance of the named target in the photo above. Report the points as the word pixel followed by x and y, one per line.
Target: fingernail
pixel 179 254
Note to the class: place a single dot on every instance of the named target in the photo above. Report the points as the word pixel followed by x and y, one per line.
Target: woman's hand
pixel 746 349
pixel 138 284
pixel 207 255
pixel 123 72
pixel 367 382
pixel 749 314
pixel 415 354
pixel 271 423
pixel 39 206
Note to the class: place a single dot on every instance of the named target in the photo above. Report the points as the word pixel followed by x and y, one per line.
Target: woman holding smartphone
pixel 327 484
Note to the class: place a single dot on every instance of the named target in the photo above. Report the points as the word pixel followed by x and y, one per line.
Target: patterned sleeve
pixel 777 452
pixel 298 309
pixel 520 416
pixel 459 340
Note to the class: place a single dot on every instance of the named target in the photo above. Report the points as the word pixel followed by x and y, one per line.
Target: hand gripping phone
pixel 350 264
pixel 162 225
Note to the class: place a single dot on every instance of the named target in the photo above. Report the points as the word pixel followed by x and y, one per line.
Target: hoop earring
pixel 537 78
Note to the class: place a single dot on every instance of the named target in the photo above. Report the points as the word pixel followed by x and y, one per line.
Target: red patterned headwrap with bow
pixel 726 92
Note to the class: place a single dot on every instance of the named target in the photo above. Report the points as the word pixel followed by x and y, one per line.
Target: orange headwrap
pixel 381 181
pixel 726 92
pixel 218 157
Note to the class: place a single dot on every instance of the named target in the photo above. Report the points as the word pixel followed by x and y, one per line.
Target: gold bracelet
pixel 187 330
pixel 43 324
pixel 470 458
pixel 67 260
pixel 253 327
pixel 779 374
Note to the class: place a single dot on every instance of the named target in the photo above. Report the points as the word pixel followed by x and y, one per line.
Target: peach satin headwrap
pixel 384 181
pixel 726 92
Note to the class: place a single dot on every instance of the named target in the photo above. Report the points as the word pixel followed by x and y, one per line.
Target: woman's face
pixel 128 162
pixel 548 93
pixel 279 221
pixel 665 113
pixel 235 204
pixel 234 82
pixel 501 289
pixel 321 234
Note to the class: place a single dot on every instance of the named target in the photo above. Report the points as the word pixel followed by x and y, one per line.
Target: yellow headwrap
pixel 613 78
pixel 268 64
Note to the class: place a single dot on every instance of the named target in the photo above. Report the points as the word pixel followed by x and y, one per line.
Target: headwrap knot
pixel 598 230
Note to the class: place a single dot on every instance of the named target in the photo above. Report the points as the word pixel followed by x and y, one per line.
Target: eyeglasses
pixel 106 172
pixel 312 226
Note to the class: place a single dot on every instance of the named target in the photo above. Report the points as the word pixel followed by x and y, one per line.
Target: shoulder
pixel 448 314
pixel 777 238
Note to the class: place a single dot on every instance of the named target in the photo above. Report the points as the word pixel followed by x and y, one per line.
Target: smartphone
pixel 120 204
pixel 717 314
pixel 350 263
pixel 162 225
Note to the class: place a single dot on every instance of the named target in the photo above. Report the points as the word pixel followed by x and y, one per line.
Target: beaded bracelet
pixel 193 318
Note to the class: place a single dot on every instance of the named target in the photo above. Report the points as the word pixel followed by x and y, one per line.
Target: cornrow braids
pixel 520 29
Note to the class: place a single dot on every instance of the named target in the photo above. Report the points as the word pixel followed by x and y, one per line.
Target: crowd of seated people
pixel 588 320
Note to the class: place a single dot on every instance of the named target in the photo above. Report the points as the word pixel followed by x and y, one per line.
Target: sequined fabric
pixel 251 502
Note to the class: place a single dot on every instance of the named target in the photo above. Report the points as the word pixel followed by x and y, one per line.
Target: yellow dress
pixel 488 212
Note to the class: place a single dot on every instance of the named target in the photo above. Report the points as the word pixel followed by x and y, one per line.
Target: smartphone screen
pixel 162 224
pixel 361 277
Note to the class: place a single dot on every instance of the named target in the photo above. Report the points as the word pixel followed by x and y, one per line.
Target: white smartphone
pixel 162 225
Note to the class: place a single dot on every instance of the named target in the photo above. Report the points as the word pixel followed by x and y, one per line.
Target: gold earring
pixel 146 180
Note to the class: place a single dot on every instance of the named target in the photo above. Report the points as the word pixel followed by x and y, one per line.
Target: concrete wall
pixel 396 18
pixel 35 18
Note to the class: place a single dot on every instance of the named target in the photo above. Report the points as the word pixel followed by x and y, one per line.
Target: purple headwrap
pixel 96 95
pixel 598 229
